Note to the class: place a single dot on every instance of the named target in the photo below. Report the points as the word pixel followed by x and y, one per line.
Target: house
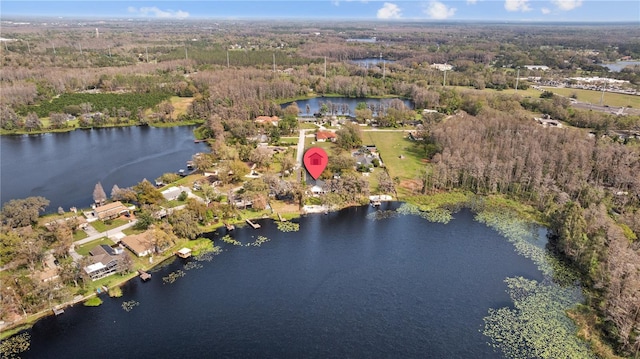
pixel 267 120
pixel 536 67
pixel 323 136
pixel 442 67
pixel 140 244
pixel 110 211
pixel 105 261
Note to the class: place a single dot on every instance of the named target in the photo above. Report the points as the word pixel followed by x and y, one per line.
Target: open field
pixel 610 98
pixel 180 105
pixel 391 146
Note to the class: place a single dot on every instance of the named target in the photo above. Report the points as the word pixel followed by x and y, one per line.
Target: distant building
pixel 267 119
pixel 442 67
pixel 536 67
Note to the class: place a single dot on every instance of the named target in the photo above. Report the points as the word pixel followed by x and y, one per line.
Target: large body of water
pixel 618 66
pixel 65 167
pixel 316 103
pixel 343 286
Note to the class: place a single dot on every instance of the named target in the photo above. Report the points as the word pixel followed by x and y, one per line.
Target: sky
pixel 389 10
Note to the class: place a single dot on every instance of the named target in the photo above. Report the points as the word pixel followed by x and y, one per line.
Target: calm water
pixel 316 103
pixel 343 286
pixel 618 66
pixel 65 167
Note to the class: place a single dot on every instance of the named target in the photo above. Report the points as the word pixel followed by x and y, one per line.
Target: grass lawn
pixel 180 104
pixel 391 146
pixel 528 92
pixel 610 98
pixel 101 226
pixel 85 248
pixel 78 235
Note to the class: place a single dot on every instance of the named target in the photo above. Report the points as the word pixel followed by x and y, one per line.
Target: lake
pixel 618 66
pixel 345 105
pixel 65 167
pixel 343 286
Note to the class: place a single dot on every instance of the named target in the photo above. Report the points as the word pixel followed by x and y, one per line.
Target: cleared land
pixel 180 105
pixel 610 98
pixel 399 154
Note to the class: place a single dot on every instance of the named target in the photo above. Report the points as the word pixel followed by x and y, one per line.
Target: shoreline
pixel 75 128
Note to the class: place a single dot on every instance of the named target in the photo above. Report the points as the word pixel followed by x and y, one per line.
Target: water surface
pixel 343 286
pixel 65 167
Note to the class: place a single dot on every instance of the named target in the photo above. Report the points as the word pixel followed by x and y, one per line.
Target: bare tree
pixel 99 197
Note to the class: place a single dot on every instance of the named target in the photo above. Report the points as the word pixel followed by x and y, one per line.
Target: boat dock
pixel 281 219
pixel 145 276
pixel 184 253
pixel 229 227
pixel 57 311
pixel 254 225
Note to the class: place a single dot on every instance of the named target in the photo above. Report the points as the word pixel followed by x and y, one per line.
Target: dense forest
pixel 583 178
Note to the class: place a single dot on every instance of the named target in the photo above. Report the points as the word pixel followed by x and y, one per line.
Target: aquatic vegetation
pixel 115 292
pixel 192 265
pixel 228 239
pixel 521 234
pixel 93 302
pixel 383 214
pixel 13 346
pixel 258 242
pixel 129 305
pixel 436 215
pixel 173 276
pixel 537 326
pixel 288 226
pixel 208 256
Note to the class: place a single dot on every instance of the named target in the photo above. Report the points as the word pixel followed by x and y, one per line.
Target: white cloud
pixel 545 11
pixel 389 11
pixel 471 2
pixel 439 11
pixel 153 11
pixel 517 5
pixel 567 5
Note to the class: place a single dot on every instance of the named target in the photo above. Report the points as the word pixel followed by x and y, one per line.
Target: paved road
pixel 105 234
pixel 300 152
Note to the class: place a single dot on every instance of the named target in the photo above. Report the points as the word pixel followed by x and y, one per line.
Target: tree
pixel 292 110
pixel 23 212
pixel 147 193
pixel 99 197
pixel 385 183
pixel 349 137
pixel 185 224
pixel 57 120
pixel 122 194
pixel 8 118
pixel 32 122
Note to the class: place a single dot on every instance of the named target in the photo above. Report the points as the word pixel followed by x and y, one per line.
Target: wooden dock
pixel 281 219
pixel 254 225
pixel 57 311
pixel 229 227
pixel 145 276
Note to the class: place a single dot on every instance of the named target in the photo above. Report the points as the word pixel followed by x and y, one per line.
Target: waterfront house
pixel 105 261
pixel 140 244
pixel 110 211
